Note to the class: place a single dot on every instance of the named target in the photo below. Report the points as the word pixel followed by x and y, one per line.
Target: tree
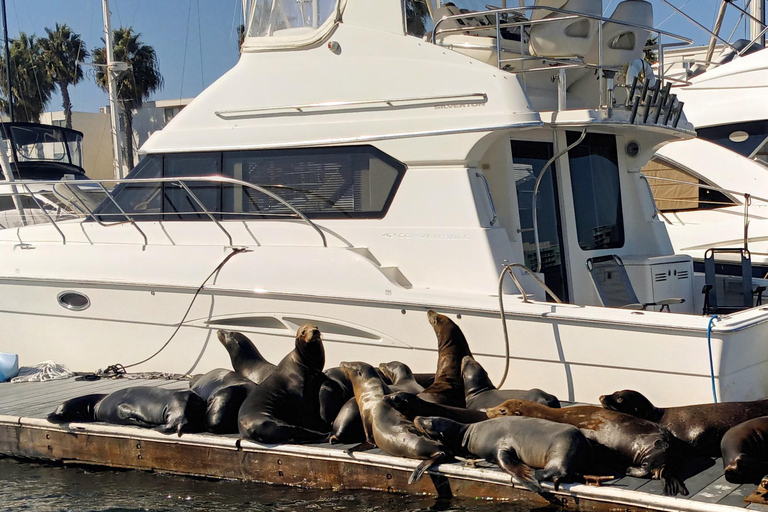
pixel 135 85
pixel 31 85
pixel 62 52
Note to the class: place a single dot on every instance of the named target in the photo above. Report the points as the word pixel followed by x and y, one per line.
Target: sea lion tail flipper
pixel 523 473
pixel 425 465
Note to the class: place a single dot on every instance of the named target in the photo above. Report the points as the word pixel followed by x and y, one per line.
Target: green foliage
pixel 62 52
pixel 32 86
pixel 135 85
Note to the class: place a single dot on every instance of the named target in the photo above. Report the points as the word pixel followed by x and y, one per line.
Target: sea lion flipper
pixel 673 485
pixel 523 473
pixel 425 465
pixel 362 447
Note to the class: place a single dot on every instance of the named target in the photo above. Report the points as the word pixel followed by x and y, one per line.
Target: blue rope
pixel 711 364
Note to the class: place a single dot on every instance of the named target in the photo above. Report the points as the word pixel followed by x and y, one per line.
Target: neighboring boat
pixel 362 164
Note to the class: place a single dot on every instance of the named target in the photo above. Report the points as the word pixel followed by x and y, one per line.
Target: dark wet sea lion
pixel 334 393
pixel 745 451
pixel 165 410
pixel 246 358
pixel 384 426
pixel 401 377
pixel 702 426
pixel 480 393
pixel 224 392
pixel 448 387
pixel 651 449
pixel 516 444
pixel 285 407
pixel 410 406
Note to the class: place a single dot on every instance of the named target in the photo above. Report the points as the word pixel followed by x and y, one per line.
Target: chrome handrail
pixel 181 182
pixel 490 197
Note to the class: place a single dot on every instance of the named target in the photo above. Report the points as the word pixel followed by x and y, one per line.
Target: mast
pixel 718 25
pixel 756 28
pixel 7 61
pixel 112 70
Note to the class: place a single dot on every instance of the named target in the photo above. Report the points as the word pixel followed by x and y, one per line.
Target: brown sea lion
pixel 650 448
pixel 745 451
pixel 480 393
pixel 452 347
pixel 246 358
pixel 517 444
pixel 384 426
pixel 285 407
pixel 702 426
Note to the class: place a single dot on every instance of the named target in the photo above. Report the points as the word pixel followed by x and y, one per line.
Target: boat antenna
pixel 7 60
pixel 112 70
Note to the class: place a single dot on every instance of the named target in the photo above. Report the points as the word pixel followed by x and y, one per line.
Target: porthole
pixel 74 301
pixel 738 136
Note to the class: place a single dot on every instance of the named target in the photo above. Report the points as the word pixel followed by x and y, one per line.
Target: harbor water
pixel 38 487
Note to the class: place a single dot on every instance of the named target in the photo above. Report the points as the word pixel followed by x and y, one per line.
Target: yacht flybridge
pixel 366 161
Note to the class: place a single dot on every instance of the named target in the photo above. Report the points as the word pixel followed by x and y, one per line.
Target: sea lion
pixel 517 444
pixel 224 392
pixel 401 377
pixel 650 448
pixel 165 410
pixel 334 393
pixel 745 451
pixel 702 426
pixel 384 426
pixel 480 393
pixel 448 387
pixel 246 358
pixel 410 406
pixel 285 407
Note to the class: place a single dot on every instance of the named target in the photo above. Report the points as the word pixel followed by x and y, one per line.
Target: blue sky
pixel 196 40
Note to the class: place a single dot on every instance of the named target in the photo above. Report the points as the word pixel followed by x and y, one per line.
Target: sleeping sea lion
pixel 517 444
pixel 650 448
pixel 745 451
pixel 246 358
pixel 410 406
pixel 452 347
pixel 401 377
pixel 480 393
pixel 285 407
pixel 384 426
pixel 702 426
pixel 224 392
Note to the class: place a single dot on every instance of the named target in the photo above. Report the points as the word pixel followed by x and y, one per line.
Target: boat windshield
pixel 43 143
pixel 268 18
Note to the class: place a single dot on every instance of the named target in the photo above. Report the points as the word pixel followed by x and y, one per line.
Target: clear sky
pixel 196 40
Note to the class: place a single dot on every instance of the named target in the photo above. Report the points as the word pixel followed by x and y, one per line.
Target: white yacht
pixel 366 161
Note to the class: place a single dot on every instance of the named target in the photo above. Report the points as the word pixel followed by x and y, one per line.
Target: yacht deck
pixel 26 434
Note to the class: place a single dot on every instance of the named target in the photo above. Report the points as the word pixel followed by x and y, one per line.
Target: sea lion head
pixel 357 371
pixel 395 371
pixel 512 407
pixel 437 428
pixel 628 402
pixel 448 333
pixel 404 403
pixel 474 376
pixel 309 345
pixel 76 410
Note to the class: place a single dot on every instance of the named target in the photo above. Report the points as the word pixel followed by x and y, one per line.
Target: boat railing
pixel 515 18
pixel 76 202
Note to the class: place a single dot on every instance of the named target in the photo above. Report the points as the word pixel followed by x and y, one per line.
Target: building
pixel 97 142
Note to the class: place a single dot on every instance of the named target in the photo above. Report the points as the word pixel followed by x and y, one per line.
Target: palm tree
pixel 135 85
pixel 32 87
pixel 63 50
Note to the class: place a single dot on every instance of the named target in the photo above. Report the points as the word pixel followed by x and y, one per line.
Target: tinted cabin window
pixel 596 192
pixel 348 182
pixel 747 139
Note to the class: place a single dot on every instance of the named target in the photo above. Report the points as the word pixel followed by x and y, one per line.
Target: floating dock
pixel 26 434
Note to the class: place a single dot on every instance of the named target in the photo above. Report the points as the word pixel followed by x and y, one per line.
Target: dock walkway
pixel 25 433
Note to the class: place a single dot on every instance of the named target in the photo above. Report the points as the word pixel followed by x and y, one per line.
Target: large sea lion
pixel 334 393
pixel 410 406
pixel 452 347
pixel 745 451
pixel 516 444
pixel 650 448
pixel 285 407
pixel 702 426
pixel 165 410
pixel 246 358
pixel 401 377
pixel 480 393
pixel 384 426
pixel 224 392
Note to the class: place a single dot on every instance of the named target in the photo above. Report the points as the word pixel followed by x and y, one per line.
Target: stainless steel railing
pixel 77 205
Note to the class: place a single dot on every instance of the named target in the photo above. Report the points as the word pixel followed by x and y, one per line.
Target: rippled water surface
pixel 49 488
